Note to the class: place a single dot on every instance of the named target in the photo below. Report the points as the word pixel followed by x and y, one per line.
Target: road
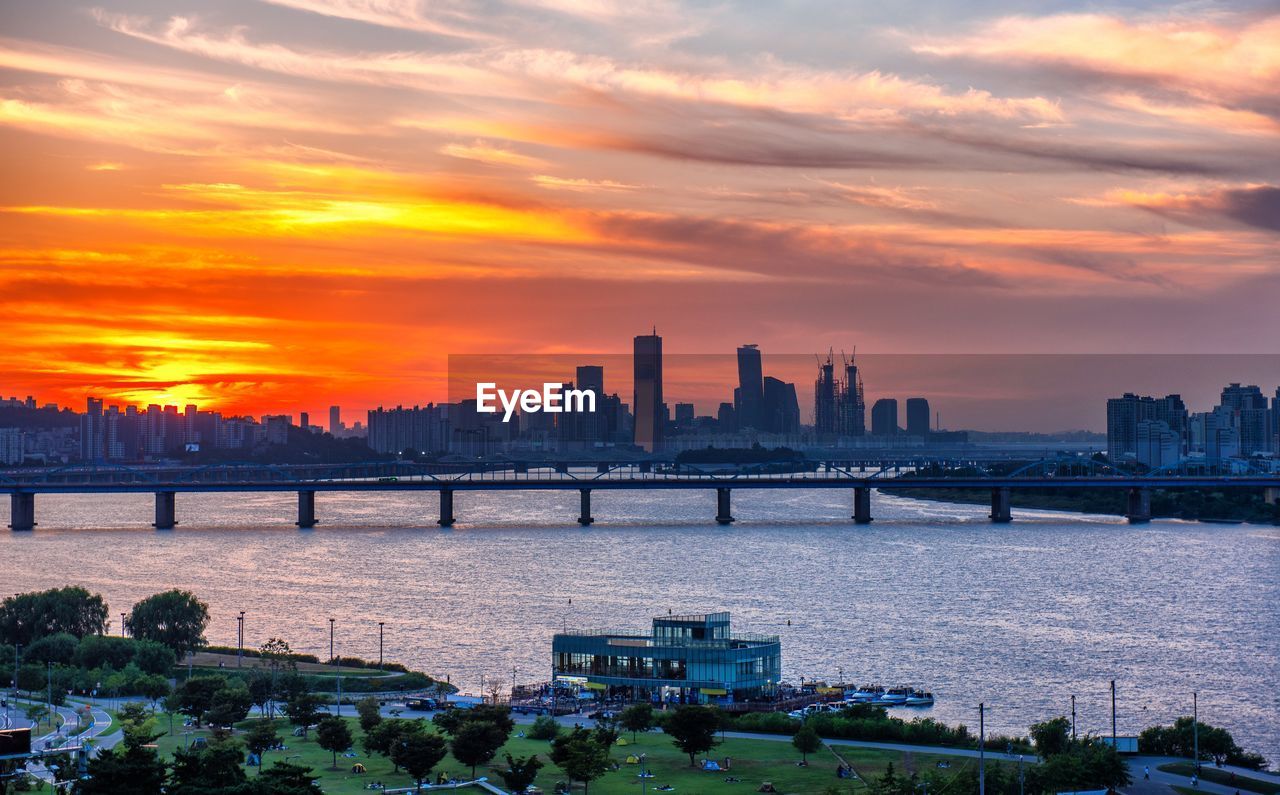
pixel 97 735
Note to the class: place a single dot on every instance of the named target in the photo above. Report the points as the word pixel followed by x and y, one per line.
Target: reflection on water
pixel 1019 616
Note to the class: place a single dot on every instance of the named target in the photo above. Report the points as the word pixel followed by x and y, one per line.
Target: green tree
pixel 29 616
pixel 544 727
pixel 333 735
pixel 476 741
pixel 229 705
pixel 205 771
pixel 104 651
pixel 448 721
pixel 194 697
pixel 606 732
pixel 693 729
pixel 133 766
pixel 806 741
pixel 283 778
pixel 154 658
pixel 370 712
pixel 418 752
pixel 580 756
pixel 260 738
pixel 260 689
pixel 520 773
pixel 637 718
pixel 59 649
pixel 1052 737
pixel 175 618
pixel 382 738
pixel 304 711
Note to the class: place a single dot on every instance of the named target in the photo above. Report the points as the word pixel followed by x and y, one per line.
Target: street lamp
pixel 1195 728
pixel 982 745
pixel 336 666
pixel 380 625
pixel 239 638
pixel 122 632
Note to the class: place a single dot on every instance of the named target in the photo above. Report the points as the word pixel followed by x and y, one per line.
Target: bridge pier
pixel 306 509
pixel 166 516
pixel 1271 496
pixel 22 511
pixel 446 508
pixel 723 516
pixel 862 505
pixel 584 516
pixel 1001 511
pixel 1138 510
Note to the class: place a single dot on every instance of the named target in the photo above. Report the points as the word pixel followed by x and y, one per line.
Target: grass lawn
pixel 227 662
pixel 754 761
pixel 1223 777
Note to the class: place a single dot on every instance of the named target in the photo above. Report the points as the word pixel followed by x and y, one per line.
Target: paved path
pixel 1161 782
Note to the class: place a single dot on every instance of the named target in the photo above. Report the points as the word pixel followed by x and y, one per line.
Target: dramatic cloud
pixel 241 203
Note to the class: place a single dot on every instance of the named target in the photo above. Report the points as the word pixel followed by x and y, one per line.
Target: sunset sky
pixel 262 205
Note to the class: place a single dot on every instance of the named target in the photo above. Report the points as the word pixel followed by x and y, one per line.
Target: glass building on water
pixel 685 659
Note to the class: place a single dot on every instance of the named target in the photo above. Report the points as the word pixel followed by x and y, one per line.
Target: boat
pixel 866 693
pixel 919 698
pixel 894 696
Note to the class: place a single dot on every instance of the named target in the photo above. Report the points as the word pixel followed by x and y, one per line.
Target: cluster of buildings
pixel 131 434
pixel 764 411
pixel 1160 432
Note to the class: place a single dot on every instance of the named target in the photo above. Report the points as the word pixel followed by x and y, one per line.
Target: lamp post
pixel 122 632
pixel 1073 717
pixel 1114 747
pixel 982 746
pixel 336 667
pixel 1195 729
pixel 380 625
pixel 239 639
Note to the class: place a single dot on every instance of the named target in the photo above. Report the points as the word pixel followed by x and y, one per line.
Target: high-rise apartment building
pixel 918 421
pixel 884 417
pixel 650 410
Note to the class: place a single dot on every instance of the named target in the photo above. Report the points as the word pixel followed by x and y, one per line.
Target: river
pixel 1019 616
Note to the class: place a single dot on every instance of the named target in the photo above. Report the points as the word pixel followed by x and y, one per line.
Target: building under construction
pixel 839 408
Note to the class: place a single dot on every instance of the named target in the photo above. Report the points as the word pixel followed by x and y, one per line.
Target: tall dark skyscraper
pixel 824 398
pixel 749 398
pixel 647 403
pixel 591 377
pixel 917 417
pixel 335 419
pixel 884 417
pixel 851 407
pixel 781 406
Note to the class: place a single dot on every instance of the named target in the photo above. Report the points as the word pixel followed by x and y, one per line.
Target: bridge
pixel 859 476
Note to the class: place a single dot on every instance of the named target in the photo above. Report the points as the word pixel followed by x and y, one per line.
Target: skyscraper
pixel 884 417
pixel 1124 413
pixel 650 411
pixel 335 420
pixel 1250 415
pixel 749 397
pixel 852 407
pixel 824 399
pixel 781 406
pixel 917 416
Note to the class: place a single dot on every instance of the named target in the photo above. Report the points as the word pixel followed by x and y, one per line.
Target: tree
pixel 304 711
pixel 370 713
pixel 59 649
pixel 229 705
pixel 448 721
pixel 693 729
pixel 520 773
pixel 29 616
pixel 544 727
pixel 417 752
pixel 806 741
pixel 333 735
pixel 104 651
pixel 154 658
pixel 476 741
pixel 260 689
pixel 133 767
pixel 194 697
pixel 260 738
pixel 1052 737
pixel 606 732
pixel 382 738
pixel 175 618
pixel 283 778
pixel 580 756
pixel 200 771
pixel 637 718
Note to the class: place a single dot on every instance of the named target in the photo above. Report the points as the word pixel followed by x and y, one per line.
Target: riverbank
pixel 1248 506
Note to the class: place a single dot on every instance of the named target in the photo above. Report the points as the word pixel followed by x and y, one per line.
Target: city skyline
pixel 241 203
